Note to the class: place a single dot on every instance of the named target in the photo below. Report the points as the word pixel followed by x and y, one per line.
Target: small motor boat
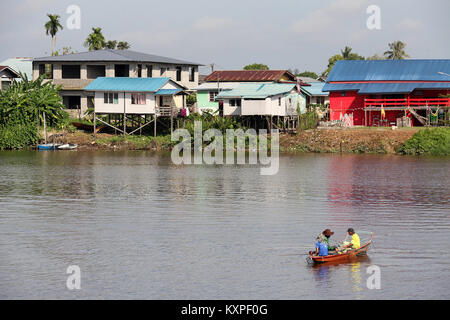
pixel 352 253
pixel 68 147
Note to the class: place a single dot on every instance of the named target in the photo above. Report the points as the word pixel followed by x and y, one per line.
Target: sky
pixel 284 34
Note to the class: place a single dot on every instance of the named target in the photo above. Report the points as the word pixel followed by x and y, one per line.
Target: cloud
pixel 332 15
pixel 212 23
pixel 409 24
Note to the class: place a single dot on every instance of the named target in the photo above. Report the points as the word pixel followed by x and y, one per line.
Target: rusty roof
pixel 250 75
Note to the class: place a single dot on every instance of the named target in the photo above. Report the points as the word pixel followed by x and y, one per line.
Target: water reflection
pixel 356 183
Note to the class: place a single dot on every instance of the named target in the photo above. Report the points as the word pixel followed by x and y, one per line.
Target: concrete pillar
pixel 57 71
pixel 110 73
pixel 84 105
pixel 83 71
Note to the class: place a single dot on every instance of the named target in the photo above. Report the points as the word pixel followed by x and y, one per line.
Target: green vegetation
pixel 308 120
pixel 256 66
pixel 396 51
pixel 431 141
pixel 22 110
pixel 139 142
pixel 95 40
pixel 308 74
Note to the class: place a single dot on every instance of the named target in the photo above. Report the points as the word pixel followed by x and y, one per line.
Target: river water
pixel 140 227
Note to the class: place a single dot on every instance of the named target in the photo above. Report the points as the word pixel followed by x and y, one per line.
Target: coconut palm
pixel 96 40
pixel 397 51
pixel 123 45
pixel 52 27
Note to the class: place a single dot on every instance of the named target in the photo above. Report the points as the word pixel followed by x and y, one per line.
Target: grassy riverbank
pixel 433 141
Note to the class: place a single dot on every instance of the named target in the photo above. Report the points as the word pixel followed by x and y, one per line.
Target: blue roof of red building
pixel 388 76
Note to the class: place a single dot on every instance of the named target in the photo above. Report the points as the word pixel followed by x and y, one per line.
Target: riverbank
pixel 354 140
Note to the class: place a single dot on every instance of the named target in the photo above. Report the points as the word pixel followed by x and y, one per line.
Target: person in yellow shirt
pixel 355 243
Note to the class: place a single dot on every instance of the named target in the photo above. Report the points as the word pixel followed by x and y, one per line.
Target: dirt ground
pixel 354 140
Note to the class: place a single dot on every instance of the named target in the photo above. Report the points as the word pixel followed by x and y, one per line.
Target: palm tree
pixel 96 40
pixel 123 45
pixel 52 27
pixel 111 44
pixel 346 53
pixel 397 51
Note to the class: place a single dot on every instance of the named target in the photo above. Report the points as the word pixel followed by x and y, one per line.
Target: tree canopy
pixel 95 40
pixel 308 74
pixel 256 66
pixel 396 51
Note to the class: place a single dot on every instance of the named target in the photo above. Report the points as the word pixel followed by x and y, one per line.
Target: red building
pixel 378 92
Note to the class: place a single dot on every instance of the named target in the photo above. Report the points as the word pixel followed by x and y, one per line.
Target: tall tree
pixel 52 27
pixel 396 51
pixel 256 66
pixel 123 45
pixel 96 40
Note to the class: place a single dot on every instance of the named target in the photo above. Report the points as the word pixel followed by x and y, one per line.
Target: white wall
pixel 101 107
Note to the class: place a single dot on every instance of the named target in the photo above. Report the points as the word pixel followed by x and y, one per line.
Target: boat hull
pixel 50 146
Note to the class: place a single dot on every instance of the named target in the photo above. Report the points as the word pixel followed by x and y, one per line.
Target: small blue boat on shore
pixel 49 146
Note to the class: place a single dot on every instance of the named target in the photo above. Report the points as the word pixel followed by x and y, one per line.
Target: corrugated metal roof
pixel 24 65
pixel 388 70
pixel 167 92
pixel 249 75
pixel 113 56
pixel 378 88
pixel 315 89
pixel 257 90
pixel 127 84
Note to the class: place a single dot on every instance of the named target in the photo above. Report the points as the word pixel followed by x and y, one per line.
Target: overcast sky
pixel 282 33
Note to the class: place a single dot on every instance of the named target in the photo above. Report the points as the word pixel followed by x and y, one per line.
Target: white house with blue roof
pixel 263 99
pixel 137 96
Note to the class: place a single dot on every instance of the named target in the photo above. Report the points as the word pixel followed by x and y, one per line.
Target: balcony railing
pixel 400 104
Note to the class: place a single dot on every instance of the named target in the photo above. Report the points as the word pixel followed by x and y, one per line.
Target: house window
pixel 235 102
pixel 121 70
pixel 71 71
pixel 149 71
pixel 212 96
pixel 163 71
pixel 138 98
pixel 46 70
pixel 139 70
pixel 111 98
pixel 343 94
pixel 279 101
pixel 161 101
pixel 178 73
pixel 191 74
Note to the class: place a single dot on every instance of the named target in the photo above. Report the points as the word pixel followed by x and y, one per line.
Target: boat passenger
pixel 328 233
pixel 355 243
pixel 321 246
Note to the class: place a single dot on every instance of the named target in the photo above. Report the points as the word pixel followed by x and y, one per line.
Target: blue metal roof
pixel 167 92
pixel 127 84
pixel 315 89
pixel 257 90
pixel 388 70
pixel 379 88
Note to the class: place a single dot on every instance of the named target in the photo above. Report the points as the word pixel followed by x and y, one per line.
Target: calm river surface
pixel 142 228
